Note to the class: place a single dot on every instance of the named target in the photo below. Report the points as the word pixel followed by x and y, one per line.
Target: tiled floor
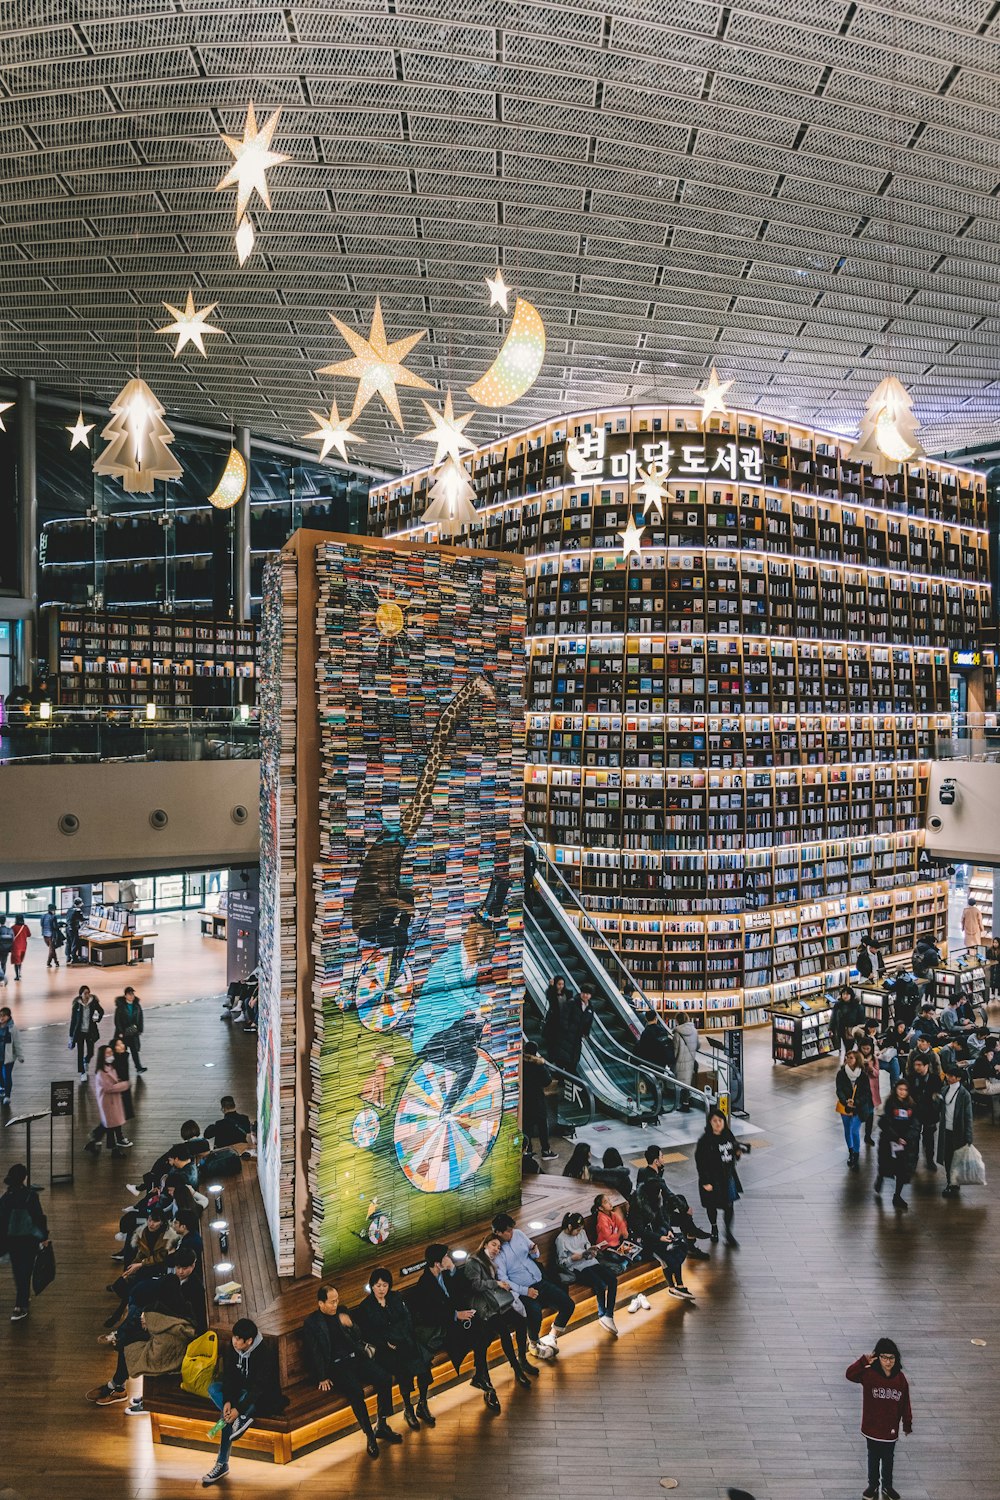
pixel 746 1387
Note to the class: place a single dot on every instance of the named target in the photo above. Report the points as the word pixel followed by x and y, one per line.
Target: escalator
pixel 555 944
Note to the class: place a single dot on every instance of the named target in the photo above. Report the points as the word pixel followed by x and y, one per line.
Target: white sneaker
pixel 550 1341
pixel 644 1302
pixel 635 1305
pixel 610 1324
pixel 134 1189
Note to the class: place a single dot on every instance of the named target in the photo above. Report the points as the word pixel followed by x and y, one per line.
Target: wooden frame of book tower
pixel 728 730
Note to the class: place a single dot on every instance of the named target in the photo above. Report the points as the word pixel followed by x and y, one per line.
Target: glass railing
pixel 119 733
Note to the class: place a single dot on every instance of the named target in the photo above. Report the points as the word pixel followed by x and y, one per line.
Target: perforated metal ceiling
pixel 805 191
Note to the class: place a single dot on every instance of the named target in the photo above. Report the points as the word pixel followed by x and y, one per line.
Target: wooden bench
pixel 313 1416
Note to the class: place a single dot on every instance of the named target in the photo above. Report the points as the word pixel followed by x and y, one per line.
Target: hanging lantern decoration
pixel 229 490
pixel 452 500
pixel 888 436
pixel 138 451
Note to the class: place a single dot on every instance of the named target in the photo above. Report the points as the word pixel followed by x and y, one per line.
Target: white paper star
pixel 447 431
pixel 253 159
pixel 499 290
pixel 712 396
pixel 631 538
pixel 377 365
pixel 245 238
pixel 333 432
pixel 655 491
pixel 80 431
pixel 190 325
pixel 4 406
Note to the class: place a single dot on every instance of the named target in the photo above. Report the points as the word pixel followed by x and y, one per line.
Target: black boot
pixel 878 1184
pixel 521 1376
pixel 424 1412
pixel 372 1445
pixel 715 1234
pixel 385 1434
pixel 410 1417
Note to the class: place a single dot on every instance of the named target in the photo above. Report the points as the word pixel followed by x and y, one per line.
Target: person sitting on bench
pixel 250 1387
pixel 339 1360
pixel 444 1318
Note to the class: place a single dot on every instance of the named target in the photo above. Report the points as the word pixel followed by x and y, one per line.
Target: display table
pixel 108 950
pixel 214 924
pixel 800 1030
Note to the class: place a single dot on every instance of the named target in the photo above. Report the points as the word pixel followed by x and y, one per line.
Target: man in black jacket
pixel 250 1387
pixel 340 1360
pixel 179 1293
pixel 233 1129
pixel 655 1044
pixel 443 1318
pixel 925 1091
pixel 576 1022
pixel 675 1204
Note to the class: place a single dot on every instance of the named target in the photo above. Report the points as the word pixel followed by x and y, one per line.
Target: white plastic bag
pixel 968 1168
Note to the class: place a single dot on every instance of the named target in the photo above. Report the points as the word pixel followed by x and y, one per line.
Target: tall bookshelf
pixel 126 660
pixel 728 734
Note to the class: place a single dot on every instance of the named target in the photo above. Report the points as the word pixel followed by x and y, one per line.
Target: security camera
pixel 936 823
pixel 947 792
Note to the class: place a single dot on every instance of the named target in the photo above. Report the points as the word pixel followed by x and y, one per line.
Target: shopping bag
pixel 968 1168
pixel 198 1365
pixel 44 1269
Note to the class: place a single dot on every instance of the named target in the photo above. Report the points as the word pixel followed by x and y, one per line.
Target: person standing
pixel 73 924
pixel 993 967
pixel 250 1387
pixel 536 1079
pixel 108 1088
pixel 84 1030
pixel 576 1024
pixel 868 1058
pixel 339 1360
pixel 10 1053
pixel 972 927
pixel 854 1103
pixel 19 945
pixel 556 996
pixel 685 1039
pixel 23 1230
pixel 885 1409
pixel 955 1128
pixel 52 933
pixel 6 944
pixel 925 1091
pixel 719 1186
pixel 847 1014
pixel 898 1142
pixel 129 1023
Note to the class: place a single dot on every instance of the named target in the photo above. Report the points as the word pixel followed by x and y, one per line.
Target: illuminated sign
pixel 679 455
pixel 966 658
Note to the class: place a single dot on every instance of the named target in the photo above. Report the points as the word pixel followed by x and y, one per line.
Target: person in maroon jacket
pixel 885 1409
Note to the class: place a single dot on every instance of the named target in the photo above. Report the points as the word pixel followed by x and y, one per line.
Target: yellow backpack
pixel 198 1365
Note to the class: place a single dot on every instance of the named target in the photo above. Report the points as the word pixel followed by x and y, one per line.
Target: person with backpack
pixel 54 937
pixel 654 1044
pixel 24 1231
pixel 6 945
pixel 74 922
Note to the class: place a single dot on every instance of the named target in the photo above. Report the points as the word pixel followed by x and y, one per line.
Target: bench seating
pixel 314 1417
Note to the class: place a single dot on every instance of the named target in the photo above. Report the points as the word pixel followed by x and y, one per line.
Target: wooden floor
pixel 744 1388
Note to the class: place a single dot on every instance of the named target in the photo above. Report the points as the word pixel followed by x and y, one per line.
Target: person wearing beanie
pixel 885 1409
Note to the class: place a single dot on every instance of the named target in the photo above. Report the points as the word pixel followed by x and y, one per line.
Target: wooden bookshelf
pixel 728 735
pixel 130 660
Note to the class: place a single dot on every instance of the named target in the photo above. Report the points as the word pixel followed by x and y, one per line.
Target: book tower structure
pixel 392 777
pixel 729 723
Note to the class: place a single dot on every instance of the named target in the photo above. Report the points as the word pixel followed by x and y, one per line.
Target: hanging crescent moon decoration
pixel 516 367
pixel 230 487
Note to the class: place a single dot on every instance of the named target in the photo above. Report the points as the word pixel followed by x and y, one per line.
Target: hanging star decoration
pixel 190 325
pixel 4 406
pixel 499 290
pixel 712 397
pixel 253 159
pixel 333 432
pixel 654 490
pixel 80 432
pixel 377 365
pixel 245 239
pixel 447 431
pixel 631 538
pixel 452 499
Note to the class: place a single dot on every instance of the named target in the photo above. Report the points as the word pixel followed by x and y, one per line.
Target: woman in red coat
pixel 20 944
pixel 885 1410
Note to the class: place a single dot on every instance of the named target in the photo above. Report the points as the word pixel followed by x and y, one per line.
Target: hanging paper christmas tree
pixel 888 435
pixel 452 507
pixel 138 451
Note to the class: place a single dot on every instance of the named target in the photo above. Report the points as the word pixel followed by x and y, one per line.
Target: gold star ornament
pixel 631 538
pixel 80 432
pixel 712 397
pixel 190 325
pixel 446 431
pixel 499 290
pixel 377 365
pixel 253 159
pixel 4 406
pixel 333 432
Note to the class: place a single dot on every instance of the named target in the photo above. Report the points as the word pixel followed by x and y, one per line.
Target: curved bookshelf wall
pixel 727 735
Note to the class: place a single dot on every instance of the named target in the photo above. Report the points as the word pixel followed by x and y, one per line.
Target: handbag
pixel 614 1260
pixel 198 1365
pixel 44 1270
pixel 968 1167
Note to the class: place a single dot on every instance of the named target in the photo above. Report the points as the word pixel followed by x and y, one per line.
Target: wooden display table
pixel 108 949
pixel 214 924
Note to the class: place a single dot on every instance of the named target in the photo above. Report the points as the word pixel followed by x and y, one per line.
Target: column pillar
pixel 27 521
pixel 241 536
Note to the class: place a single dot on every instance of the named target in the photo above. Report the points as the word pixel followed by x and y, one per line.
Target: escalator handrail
pixel 607 1050
pixel 608 987
pixel 581 1083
